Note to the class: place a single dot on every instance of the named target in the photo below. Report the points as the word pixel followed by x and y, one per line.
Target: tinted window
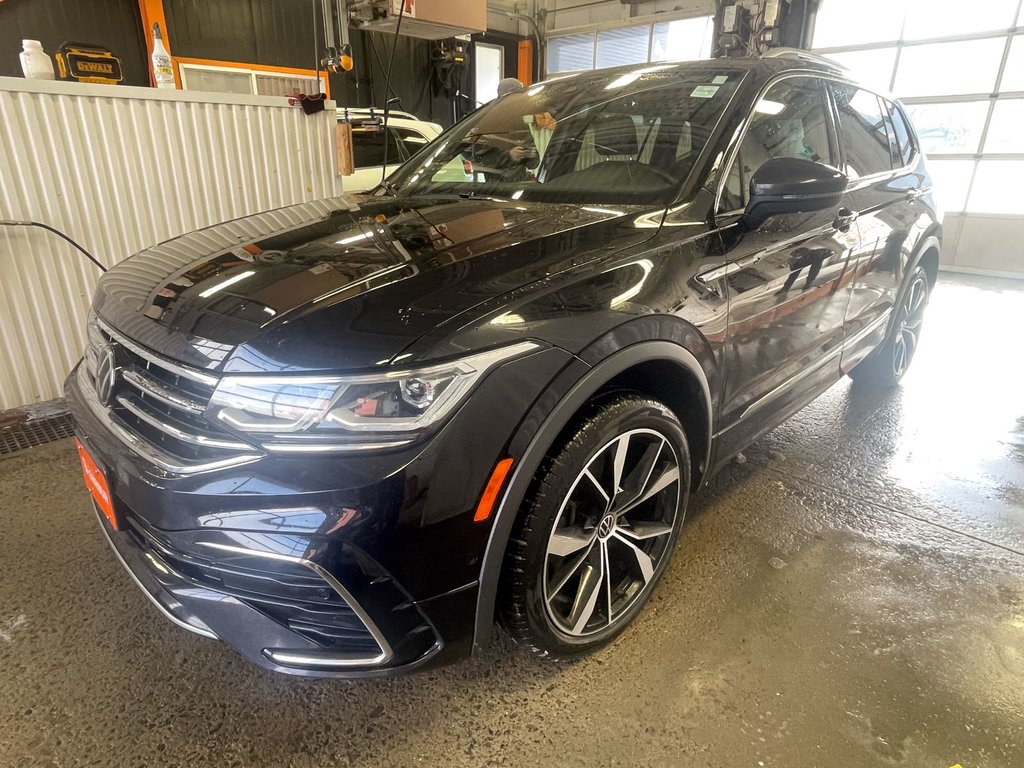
pixel 899 125
pixel 368 148
pixel 864 135
pixel 790 121
pixel 413 140
pixel 602 137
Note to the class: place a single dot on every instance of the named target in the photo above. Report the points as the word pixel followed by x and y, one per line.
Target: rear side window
pixel 904 142
pixel 865 137
pixel 412 141
pixel 368 148
pixel 791 120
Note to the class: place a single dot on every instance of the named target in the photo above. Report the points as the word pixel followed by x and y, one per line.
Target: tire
pixel 889 362
pixel 583 560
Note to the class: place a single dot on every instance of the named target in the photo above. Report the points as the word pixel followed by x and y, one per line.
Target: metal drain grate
pixel 35 432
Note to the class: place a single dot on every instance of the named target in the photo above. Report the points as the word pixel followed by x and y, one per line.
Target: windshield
pixel 601 137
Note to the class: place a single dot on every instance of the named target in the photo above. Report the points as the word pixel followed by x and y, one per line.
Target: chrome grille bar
pixel 176 368
pixel 186 437
pixel 144 448
pixel 150 387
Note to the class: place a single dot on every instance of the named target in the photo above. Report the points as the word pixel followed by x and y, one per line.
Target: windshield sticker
pixel 719 79
pixel 704 91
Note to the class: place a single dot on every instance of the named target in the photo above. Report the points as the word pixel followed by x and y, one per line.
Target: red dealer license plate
pixel 96 482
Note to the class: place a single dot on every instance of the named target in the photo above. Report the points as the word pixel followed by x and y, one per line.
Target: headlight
pixel 331 413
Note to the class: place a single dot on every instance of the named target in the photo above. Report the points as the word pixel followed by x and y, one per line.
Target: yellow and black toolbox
pixel 88 63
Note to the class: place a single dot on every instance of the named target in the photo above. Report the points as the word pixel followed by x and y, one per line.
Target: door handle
pixel 730 269
pixel 844 218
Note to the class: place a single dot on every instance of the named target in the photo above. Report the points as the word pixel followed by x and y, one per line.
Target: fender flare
pixel 930 240
pixel 540 443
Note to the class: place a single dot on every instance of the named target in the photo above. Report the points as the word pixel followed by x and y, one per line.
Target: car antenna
pixel 387 90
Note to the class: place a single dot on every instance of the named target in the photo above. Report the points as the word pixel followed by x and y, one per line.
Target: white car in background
pixel 405 135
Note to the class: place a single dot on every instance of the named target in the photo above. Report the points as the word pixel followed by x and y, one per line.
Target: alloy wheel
pixel 909 330
pixel 611 532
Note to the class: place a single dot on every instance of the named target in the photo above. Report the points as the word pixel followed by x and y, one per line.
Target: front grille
pixel 161 402
pixel 285 591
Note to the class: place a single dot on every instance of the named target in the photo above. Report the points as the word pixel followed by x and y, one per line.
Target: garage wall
pixel 113 23
pixel 281 33
pixel 119 169
pixel 959 69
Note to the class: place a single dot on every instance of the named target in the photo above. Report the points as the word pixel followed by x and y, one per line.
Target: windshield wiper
pixel 389 188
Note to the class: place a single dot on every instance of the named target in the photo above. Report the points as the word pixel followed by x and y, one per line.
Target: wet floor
pixel 852 595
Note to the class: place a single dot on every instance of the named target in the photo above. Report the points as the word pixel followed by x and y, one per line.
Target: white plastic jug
pixel 34 62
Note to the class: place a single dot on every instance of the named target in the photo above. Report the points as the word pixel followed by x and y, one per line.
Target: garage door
pixel 959 68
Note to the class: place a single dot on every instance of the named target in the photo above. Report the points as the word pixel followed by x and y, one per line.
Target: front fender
pixel 622 349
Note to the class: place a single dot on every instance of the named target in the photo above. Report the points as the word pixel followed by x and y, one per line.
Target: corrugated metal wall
pixel 119 169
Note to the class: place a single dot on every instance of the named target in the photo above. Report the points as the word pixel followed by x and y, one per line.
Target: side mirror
pixel 792 185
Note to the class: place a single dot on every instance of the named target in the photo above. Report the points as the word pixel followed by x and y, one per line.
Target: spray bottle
pixel 163 72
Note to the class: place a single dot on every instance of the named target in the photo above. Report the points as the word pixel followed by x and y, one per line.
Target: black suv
pixel 347 436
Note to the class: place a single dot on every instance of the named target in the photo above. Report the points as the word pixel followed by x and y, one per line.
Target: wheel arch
pixel 926 253
pixel 672 364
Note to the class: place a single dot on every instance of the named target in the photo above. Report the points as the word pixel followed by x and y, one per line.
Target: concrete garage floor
pixel 852 595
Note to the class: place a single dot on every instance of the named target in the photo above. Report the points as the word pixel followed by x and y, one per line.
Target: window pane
pixel 872 68
pixel 368 149
pixel 865 140
pixel 1005 134
pixel 273 85
pixel 682 40
pixel 996 187
pixel 951 180
pixel 890 130
pixel 949 68
pixel 622 46
pixel 413 140
pixel 841 22
pixel 903 140
pixel 218 81
pixel 790 121
pixel 939 18
pixel 570 53
pixel 1013 75
pixel 949 128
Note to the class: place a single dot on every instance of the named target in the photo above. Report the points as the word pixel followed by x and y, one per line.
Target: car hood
pixel 346 283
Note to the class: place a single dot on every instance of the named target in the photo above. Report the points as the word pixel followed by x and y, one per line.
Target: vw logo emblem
pixel 106 374
pixel 606 527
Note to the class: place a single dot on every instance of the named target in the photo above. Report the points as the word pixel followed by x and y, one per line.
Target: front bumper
pixel 239 620
pixel 319 565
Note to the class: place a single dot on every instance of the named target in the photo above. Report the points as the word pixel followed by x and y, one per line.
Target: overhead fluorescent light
pixel 225 283
pixel 623 80
pixel 353 238
pixel 769 107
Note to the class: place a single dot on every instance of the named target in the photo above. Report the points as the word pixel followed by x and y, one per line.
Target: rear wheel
pixel 599 529
pixel 887 364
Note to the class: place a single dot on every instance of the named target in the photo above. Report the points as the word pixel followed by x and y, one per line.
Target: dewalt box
pixel 87 63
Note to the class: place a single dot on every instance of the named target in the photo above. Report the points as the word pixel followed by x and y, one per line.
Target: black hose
pixel 57 232
pixel 387 90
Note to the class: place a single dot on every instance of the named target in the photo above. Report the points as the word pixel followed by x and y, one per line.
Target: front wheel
pixel 887 364
pixel 599 529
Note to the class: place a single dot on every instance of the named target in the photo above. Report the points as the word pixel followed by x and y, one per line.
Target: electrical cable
pixel 390 93
pixel 316 44
pixel 89 256
pixel 387 89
